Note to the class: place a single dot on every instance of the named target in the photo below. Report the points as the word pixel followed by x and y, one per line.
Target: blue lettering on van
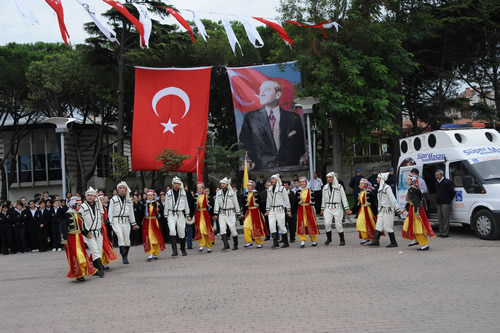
pixel 482 151
pixel 459 196
pixel 427 157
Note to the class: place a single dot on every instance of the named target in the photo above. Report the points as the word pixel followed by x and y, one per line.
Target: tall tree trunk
pixel 324 151
pixel 121 91
pixel 337 146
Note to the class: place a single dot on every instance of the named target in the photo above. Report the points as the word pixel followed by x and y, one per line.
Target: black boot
pixel 100 269
pixel 173 240
pixel 125 254
pixel 285 241
pixel 182 241
pixel 275 240
pixel 328 238
pixel 342 240
pixel 392 237
pixel 225 242
pixel 235 243
pixel 376 238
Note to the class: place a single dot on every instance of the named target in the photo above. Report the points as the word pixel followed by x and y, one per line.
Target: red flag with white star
pixel 170 111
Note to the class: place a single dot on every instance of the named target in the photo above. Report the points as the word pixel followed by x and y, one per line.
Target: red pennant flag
pixel 278 28
pixel 122 9
pixel 56 5
pixel 181 20
pixel 170 111
pixel 315 26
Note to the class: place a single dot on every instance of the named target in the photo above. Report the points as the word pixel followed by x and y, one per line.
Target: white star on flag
pixel 169 127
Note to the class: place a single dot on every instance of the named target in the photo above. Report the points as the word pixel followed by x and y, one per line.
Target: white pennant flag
pixel 199 26
pixel 252 33
pixel 26 12
pixel 145 19
pixel 105 29
pixel 332 24
pixel 231 36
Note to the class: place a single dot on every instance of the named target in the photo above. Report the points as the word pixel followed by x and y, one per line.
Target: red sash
pixel 409 234
pixel 370 225
pixel 206 216
pixel 152 210
pixel 312 225
pixel 72 250
pixel 107 246
pixel 259 228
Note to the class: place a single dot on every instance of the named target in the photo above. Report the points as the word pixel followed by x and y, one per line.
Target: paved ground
pixel 454 287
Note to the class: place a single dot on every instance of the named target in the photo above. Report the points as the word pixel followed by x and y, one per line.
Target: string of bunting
pixel 144 24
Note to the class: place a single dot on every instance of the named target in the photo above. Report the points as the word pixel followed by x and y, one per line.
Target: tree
pixel 170 160
pixel 16 112
pixel 355 73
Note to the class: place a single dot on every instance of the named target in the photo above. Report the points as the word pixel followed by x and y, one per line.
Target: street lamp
pixel 61 127
pixel 307 103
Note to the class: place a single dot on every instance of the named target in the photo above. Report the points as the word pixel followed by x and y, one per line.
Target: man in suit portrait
pixel 273 136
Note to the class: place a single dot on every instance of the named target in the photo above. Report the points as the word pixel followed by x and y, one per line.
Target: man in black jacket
pixel 273 136
pixel 263 198
pixel 6 230
pixel 445 193
pixel 291 221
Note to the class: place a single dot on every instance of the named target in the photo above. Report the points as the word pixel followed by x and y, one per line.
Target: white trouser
pixel 94 244
pixel 277 217
pixel 385 220
pixel 225 221
pixel 177 225
pixel 122 231
pixel 333 214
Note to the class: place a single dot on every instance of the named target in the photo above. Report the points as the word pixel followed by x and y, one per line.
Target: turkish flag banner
pixel 170 111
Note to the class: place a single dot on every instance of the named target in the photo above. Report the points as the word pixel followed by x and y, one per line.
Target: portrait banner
pixel 268 126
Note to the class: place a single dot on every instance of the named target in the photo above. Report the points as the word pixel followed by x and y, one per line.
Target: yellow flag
pixel 245 173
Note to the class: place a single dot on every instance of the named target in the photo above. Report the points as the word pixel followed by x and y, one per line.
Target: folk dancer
pixel 366 210
pixel 122 218
pixel 306 216
pixel 333 206
pixel 277 205
pixel 226 210
pixel 108 253
pixel 177 212
pixel 72 230
pixel 151 232
pixel 387 207
pixel 92 213
pixel 203 225
pixel 416 224
pixel 254 225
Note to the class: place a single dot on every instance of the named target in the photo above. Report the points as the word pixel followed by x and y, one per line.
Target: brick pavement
pixel 453 287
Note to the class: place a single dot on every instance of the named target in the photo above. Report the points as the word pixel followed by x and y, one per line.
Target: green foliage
pixel 119 166
pixel 170 160
pixel 223 158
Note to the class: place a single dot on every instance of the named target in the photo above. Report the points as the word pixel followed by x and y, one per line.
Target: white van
pixel 470 158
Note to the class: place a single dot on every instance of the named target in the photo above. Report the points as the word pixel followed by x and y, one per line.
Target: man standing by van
pixel 445 193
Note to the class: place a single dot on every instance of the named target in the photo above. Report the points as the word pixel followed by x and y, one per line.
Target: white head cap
pixel 128 190
pixel 176 180
pixel 225 181
pixel 383 178
pixel 91 191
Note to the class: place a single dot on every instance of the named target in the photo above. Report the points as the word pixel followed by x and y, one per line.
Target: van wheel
pixel 485 225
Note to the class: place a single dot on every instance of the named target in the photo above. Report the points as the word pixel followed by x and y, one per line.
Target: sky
pixel 16 29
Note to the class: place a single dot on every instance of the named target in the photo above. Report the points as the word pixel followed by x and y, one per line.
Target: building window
pixel 24 168
pixel 39 165
pixel 54 162
pixel 103 165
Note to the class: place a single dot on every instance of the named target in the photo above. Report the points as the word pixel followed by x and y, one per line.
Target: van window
pixel 462 176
